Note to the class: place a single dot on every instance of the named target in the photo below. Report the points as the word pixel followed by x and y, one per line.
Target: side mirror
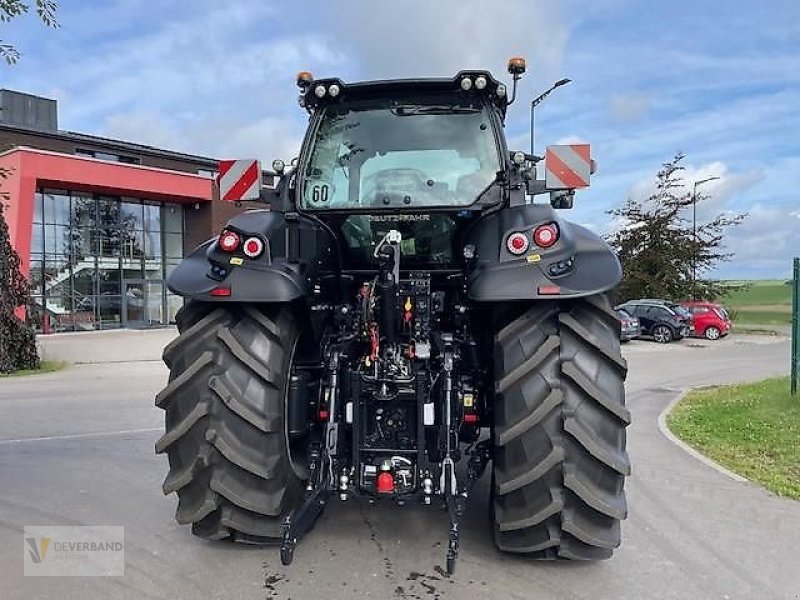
pixel 562 199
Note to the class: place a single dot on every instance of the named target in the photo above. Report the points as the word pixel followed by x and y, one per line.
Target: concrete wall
pixel 112 346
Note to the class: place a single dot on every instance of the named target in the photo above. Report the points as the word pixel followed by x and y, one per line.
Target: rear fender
pixel 294 252
pixel 588 263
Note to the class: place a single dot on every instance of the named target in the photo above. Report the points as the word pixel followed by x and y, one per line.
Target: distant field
pixel 766 302
pixel 761 317
pixel 760 292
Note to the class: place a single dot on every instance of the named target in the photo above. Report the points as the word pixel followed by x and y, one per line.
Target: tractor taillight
pixel 229 241
pixel 545 236
pixel 253 247
pixel 385 483
pixel 517 243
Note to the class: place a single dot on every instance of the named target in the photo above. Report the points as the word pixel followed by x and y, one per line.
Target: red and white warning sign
pixel 239 180
pixel 568 166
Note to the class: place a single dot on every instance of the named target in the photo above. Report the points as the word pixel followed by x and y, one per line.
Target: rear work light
pixel 253 247
pixel 545 236
pixel 517 243
pixel 229 241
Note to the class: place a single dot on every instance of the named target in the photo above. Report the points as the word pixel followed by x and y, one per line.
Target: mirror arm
pixel 534 187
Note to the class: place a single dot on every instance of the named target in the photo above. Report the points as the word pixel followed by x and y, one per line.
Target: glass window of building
pixel 56 207
pixel 100 261
pixel 172 225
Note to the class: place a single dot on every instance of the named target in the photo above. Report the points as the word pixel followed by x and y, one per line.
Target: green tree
pixel 11 9
pixel 657 246
pixel 17 339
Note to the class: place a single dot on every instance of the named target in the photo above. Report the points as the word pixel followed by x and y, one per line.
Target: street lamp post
pixel 694 232
pixel 536 101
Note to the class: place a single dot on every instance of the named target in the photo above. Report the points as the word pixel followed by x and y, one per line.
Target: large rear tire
pixel 560 417
pixel 225 420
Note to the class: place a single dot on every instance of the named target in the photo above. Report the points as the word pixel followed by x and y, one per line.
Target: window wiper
pixel 406 110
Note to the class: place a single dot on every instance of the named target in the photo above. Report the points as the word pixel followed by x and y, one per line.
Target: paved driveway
pixel 76 447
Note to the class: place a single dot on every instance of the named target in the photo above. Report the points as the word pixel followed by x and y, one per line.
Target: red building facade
pixel 97 238
pixel 99 223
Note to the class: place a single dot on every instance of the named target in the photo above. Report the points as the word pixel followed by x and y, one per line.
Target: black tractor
pixel 402 315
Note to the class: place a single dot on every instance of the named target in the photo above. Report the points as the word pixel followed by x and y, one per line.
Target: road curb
pixel 662 427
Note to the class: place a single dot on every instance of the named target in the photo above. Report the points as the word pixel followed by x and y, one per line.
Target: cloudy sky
pixel 718 80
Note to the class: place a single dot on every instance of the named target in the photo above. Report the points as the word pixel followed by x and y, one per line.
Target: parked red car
pixel 710 320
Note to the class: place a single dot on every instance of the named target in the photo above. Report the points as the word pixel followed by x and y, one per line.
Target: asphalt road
pixel 76 447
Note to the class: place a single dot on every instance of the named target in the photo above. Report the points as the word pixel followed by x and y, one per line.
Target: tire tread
pixel 560 420
pixel 224 436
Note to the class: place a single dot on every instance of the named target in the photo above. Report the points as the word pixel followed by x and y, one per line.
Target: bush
pixel 17 339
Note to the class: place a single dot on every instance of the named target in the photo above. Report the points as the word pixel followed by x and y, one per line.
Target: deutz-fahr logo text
pixel 385 218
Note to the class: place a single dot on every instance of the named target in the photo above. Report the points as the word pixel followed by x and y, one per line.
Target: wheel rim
pixel 712 333
pixel 662 334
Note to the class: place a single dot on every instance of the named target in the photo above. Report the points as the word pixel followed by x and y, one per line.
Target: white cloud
pixel 717 193
pixel 421 38
pixel 631 107
pixel 764 243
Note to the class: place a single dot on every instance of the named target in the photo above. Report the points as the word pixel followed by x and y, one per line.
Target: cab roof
pixel 312 96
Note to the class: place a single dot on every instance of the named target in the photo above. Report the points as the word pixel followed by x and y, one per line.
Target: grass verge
pixel 762 317
pixel 47 366
pixel 750 429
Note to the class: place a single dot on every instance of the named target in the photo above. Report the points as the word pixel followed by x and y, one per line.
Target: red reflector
pixel 385 483
pixel 545 235
pixel 220 291
pixel 470 418
pixel 229 241
pixel 323 414
pixel 549 290
pixel 517 243
pixel 253 247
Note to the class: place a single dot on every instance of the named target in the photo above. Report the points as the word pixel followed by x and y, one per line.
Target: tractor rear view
pixel 403 316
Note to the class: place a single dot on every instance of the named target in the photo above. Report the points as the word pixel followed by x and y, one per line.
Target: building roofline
pixel 101 161
pixel 112 144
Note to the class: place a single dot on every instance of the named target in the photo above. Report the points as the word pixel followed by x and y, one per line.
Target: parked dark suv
pixel 663 321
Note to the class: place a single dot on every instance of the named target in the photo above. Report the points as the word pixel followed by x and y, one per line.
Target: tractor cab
pixel 403 146
pixel 421 157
